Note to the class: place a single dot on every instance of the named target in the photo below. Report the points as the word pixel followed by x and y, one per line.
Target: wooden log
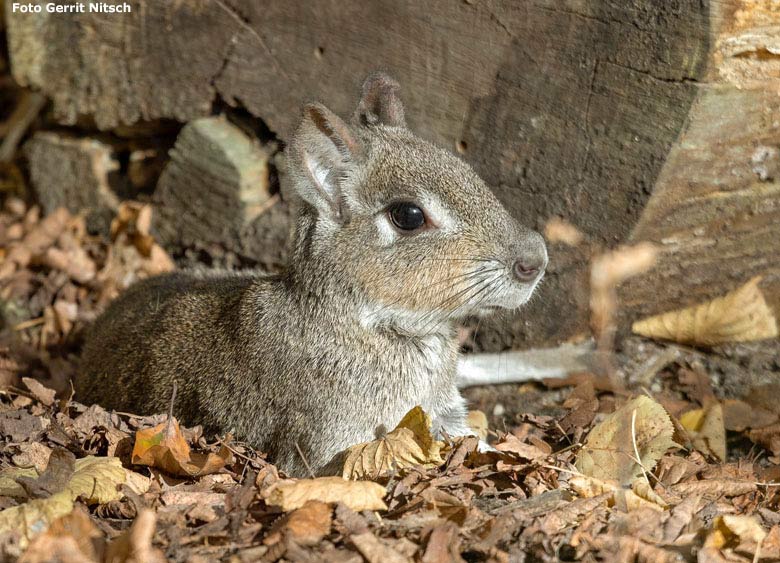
pixel 715 210
pixel 567 108
pixel 214 186
pixel 74 173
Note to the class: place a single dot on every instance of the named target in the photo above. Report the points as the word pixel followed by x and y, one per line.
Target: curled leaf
pixel 739 316
pixel 409 444
pixel 165 447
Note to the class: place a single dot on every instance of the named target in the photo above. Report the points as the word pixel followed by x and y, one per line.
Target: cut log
pixel 214 186
pixel 715 210
pixel 73 173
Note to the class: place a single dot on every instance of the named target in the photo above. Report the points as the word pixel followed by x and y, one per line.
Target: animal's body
pixel 396 240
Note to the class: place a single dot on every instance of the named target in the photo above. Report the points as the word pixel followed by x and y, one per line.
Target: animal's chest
pixel 427 374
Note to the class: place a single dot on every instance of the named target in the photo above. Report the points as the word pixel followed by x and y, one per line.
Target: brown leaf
pixel 443 545
pixel 72 538
pixel 310 523
pixel 165 447
pixel 707 431
pixel 358 495
pixel 135 545
pixel 739 416
pixel 738 316
pixel 376 550
pixel 408 445
pixel 42 393
pixel 512 444
pixel 54 479
pixel 609 451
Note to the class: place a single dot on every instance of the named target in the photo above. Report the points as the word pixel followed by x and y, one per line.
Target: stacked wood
pixel 568 109
pixel 73 173
pixel 214 186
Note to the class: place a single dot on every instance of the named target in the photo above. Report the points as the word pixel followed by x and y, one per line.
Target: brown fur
pixel 361 326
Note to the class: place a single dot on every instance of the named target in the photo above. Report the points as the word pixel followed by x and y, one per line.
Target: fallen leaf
pixel 478 422
pixel 94 479
pixel 42 393
pixel 34 517
pixel 376 550
pixel 732 530
pixel 707 431
pixel 70 538
pixel 739 316
pixel 135 545
pixel 165 447
pixel 513 445
pixel 357 495
pixel 310 523
pixel 409 444
pixel 628 500
pixel 739 415
pixel 609 452
pixel 33 455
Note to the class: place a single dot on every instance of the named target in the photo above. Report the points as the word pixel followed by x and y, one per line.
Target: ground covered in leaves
pixel 656 463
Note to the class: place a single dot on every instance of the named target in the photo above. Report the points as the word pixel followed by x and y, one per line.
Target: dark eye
pixel 406 216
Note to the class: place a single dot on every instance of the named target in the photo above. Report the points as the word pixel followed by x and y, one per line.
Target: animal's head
pixel 405 226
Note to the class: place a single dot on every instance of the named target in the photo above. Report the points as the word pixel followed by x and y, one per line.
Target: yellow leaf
pixel 739 316
pixel 629 500
pixel 478 422
pixel 609 453
pixel 358 495
pixel 34 517
pixel 95 479
pixel 707 430
pixel 409 444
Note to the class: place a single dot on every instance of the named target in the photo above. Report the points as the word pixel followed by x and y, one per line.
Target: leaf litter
pixel 601 470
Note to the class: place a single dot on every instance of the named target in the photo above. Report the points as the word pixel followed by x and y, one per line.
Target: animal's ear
pixel 321 153
pixel 380 103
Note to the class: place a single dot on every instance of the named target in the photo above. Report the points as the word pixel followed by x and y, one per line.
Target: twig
pixel 305 462
pixel 20 120
pixel 636 449
pixel 29 323
pixel 170 409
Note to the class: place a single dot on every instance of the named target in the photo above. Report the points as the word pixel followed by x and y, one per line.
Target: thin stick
pixel 20 120
pixel 170 408
pixel 305 462
pixel 636 449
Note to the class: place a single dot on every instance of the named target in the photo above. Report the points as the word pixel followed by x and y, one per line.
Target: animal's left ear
pixel 380 103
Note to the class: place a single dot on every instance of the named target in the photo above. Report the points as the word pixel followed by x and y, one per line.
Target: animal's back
pixel 181 327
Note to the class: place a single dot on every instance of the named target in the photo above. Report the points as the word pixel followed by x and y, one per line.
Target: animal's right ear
pixel 380 103
pixel 321 153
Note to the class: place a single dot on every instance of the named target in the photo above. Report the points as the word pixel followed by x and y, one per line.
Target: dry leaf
pixel 135 545
pixel 70 538
pixel 33 517
pixel 358 495
pixel 165 447
pixel 41 392
pixel 707 431
pixel 629 500
pixel 478 422
pixel 310 523
pixel 409 444
pixel 738 316
pixel 732 530
pixel 558 230
pixel 376 550
pixel 609 451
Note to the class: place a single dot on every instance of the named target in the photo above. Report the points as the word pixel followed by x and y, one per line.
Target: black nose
pixel 527 270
